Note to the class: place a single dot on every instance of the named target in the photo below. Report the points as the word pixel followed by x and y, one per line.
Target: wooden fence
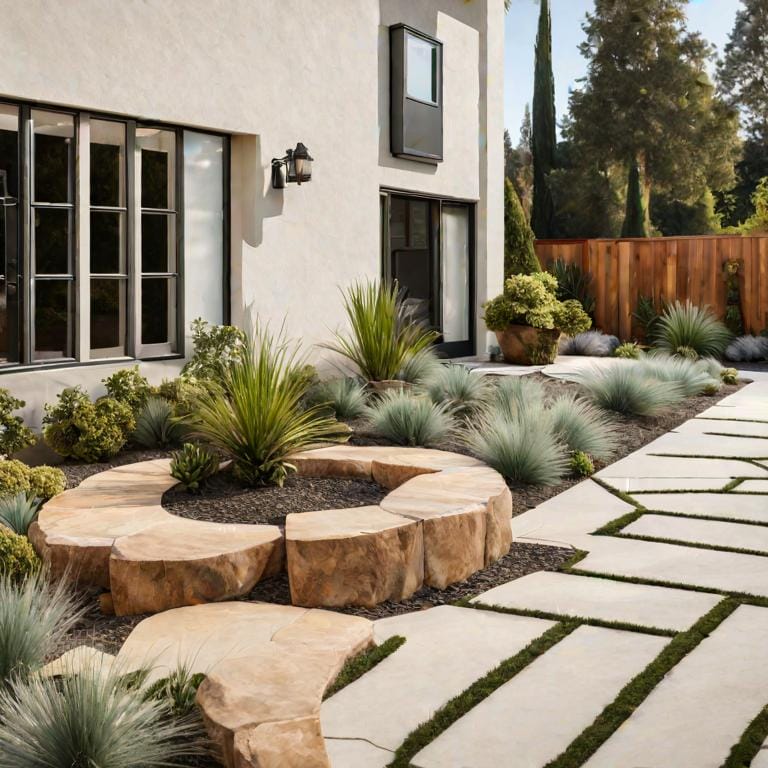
pixel 666 268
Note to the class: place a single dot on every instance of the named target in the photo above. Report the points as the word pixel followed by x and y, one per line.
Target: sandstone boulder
pixel 285 744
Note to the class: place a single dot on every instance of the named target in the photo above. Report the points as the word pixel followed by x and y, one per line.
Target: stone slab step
pixel 701 708
pixel 683 444
pixel 701 426
pixel 446 650
pixel 641 464
pixel 532 718
pixel 581 596
pixel 709 505
pixel 711 532
pixel 661 484
pixel 761 758
pixel 752 486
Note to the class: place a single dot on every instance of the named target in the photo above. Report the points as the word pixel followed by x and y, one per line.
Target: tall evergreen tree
pixel 518 163
pixel 634 218
pixel 519 252
pixel 543 139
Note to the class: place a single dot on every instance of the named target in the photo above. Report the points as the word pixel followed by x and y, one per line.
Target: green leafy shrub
pixel 459 389
pixel 691 376
pixel 260 419
pixel 573 283
pixel 18 561
pixel 583 427
pixel 14 477
pixel 629 350
pixel 193 465
pixel 216 347
pixel 156 426
pixel 78 428
pixel 14 436
pixel 346 397
pixel 688 326
pixel 184 391
pixel 581 464
pixel 589 343
pixel 46 482
pixel 406 419
pixel 18 512
pixel 729 376
pixel 128 386
pixel 383 335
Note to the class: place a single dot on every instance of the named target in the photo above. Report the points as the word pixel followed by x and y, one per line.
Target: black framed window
pixel 9 234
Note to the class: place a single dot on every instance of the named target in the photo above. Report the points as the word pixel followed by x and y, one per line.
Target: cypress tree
pixel 634 219
pixel 543 140
pixel 519 252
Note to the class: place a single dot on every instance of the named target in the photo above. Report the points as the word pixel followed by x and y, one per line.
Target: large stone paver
pixel 761 759
pixel 744 412
pixel 582 596
pixel 708 505
pixel 532 718
pixel 716 427
pixel 684 444
pixel 641 464
pixel 446 650
pixel 660 484
pixel 752 486
pixel 700 709
pixel 711 532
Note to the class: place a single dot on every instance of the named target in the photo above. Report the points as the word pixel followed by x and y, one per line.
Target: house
pixel 148 178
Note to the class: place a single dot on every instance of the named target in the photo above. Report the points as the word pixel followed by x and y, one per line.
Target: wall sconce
pixel 296 167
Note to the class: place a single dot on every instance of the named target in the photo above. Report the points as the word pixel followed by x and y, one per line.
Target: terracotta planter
pixel 524 345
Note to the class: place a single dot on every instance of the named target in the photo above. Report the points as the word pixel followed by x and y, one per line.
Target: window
pixel 91 224
pixel 421 68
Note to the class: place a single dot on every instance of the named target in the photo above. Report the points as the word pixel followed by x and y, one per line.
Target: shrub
pixel 259 420
pixel 18 561
pixel 77 428
pixel 18 512
pixel 156 426
pixel 582 427
pixel 519 251
pixel 573 283
pixel 129 387
pixel 629 350
pixel 590 343
pixel 686 325
pixel 747 349
pixel 420 367
pixel 581 465
pixel 691 376
pixel 628 390
pixel 14 477
pixel 346 397
pixel 14 436
pixel 193 465
pixel 406 419
pixel 459 389
pixel 729 376
pixel 513 394
pixel 216 347
pixel 183 392
pixel 383 336
pixel 647 316
pixel 46 482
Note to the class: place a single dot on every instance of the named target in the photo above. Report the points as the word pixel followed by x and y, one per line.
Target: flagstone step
pixel 699 426
pixel 684 444
pixel 586 597
pixel 641 464
pixel 532 718
pixel 446 650
pixel 752 486
pixel 661 484
pixel 708 505
pixel 701 708
pixel 761 759
pixel 711 532
pixel 744 412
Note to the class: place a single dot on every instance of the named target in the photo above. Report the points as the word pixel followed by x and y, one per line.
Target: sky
pixel 713 18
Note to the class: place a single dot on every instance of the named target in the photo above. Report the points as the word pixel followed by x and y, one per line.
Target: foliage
pixel 582 427
pixel 259 420
pixel 734 320
pixel 346 397
pixel 128 386
pixel 573 283
pixel 570 317
pixel 420 367
pixel 729 376
pixel 35 617
pixel 459 389
pixel 383 335
pixel 14 436
pixel 193 465
pixel 635 221
pixel 156 426
pixel 519 252
pixel 757 223
pixel 581 465
pixel 77 428
pixel 518 163
pixel 686 325
pixel 18 561
pixel 46 482
pixel 736 204
pixel 629 350
pixel 184 391
pixel 514 394
pixel 406 419
pixel 747 349
pixel 691 376
pixel 589 343
pixel 627 389
pixel 18 512
pixel 177 691
pixel 216 347
pixel 14 477
pixel 647 316
pixel 674 217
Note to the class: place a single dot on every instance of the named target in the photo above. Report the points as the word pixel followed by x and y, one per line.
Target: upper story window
pixel 422 62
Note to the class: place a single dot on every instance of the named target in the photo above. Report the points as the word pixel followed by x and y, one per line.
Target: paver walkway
pixel 682 586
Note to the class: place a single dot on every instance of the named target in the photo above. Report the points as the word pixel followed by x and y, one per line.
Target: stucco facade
pixel 271 73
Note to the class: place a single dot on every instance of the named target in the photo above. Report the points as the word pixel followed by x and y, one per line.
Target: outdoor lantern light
pixel 298 167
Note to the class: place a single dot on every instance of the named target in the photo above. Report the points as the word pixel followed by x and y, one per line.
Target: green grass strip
pixel 743 753
pixel 357 666
pixel 615 526
pixel 458 706
pixel 637 690
pixel 691 544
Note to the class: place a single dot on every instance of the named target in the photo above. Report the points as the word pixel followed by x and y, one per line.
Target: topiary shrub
pixel 80 429
pixel 14 477
pixel 519 251
pixel 128 386
pixel 14 436
pixel 46 482
pixel 18 560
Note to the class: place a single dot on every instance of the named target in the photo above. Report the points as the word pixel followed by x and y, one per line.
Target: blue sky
pixel 713 18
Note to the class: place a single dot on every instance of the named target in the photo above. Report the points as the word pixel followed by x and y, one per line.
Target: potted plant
pixel 528 319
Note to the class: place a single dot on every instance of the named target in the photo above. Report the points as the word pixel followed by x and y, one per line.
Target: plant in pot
pixel 528 319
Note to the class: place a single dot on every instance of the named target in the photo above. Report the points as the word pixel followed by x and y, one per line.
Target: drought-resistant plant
pixel 734 319
pixel 407 419
pixel 573 283
pixel 582 427
pixel 178 690
pixel 690 376
pixel 383 335
pixel 14 477
pixel 18 512
pixel 35 617
pixel 647 316
pixel 193 465
pixel 18 559
pixel 513 394
pixel 216 347
pixel 128 386
pixel 581 464
pixel 629 350
pixel 260 419
pixel 13 434
pixel 46 482
pixel 519 240
pixel 346 397
pixel 747 349
pixel 459 389
pixel 156 426
pixel 729 376
pixel 686 325
pixel 420 367
pixel 183 392
pixel 589 343
pixel 80 429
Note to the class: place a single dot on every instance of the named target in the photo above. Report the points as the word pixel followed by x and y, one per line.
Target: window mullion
pixel 82 265
pixel 133 204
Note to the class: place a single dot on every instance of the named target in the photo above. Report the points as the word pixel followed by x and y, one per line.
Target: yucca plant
pixel 406 419
pixel 383 336
pixel 455 386
pixel 346 397
pixel 685 325
pixel 193 465
pixel 513 394
pixel 156 425
pixel 583 427
pixel 259 419
pixel 692 376
pixel 18 512
pixel 35 616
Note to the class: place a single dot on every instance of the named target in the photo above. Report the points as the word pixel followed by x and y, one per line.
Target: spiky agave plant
pixel 459 389
pixel 259 418
pixel 407 419
pixel 156 425
pixel 583 427
pixel 687 326
pixel 383 335
pixel 18 512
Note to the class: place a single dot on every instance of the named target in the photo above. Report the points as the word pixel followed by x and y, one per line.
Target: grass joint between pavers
pixel 357 666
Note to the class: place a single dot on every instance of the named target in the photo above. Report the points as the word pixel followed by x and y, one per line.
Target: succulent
pixel 581 464
pixel 18 512
pixel 193 465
